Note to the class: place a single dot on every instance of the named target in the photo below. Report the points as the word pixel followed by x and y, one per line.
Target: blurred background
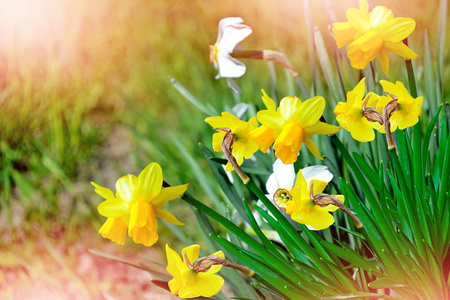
pixel 86 95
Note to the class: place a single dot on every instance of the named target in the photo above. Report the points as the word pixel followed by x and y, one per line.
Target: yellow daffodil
pixel 243 146
pixel 136 205
pixel 304 210
pixel 408 111
pixel 350 114
pixel 293 123
pixel 373 33
pixel 186 282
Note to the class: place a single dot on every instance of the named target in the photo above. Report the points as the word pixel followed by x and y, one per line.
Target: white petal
pixel 316 172
pixel 271 186
pixel 231 33
pixel 310 228
pixel 225 22
pixel 229 67
pixel 284 174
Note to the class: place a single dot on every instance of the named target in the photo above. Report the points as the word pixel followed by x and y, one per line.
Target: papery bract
pixel 187 283
pixel 136 205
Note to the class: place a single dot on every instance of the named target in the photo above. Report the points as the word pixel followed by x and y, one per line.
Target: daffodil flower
pixel 409 108
pixel 243 146
pixel 373 33
pixel 186 282
pixel 137 203
pixel 281 181
pixel 231 32
pixel 350 114
pixel 293 123
pixel 304 210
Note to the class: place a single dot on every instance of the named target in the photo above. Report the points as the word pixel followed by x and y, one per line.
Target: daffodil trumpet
pixel 270 55
pixel 227 144
pixel 204 264
pixel 325 200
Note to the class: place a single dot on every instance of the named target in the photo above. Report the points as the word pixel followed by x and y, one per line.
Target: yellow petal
pixel 318 186
pixel 125 187
pixel 311 111
pixel 358 19
pixel 318 218
pixel 268 102
pixel 217 140
pixel 226 120
pixel 192 253
pixel 172 257
pixel 168 194
pixel 207 284
pixel 344 121
pixel 398 30
pixel 321 128
pixel 364 6
pixel 381 18
pixel 340 108
pixel 361 130
pixel 401 49
pixel 373 99
pixel 270 119
pixel 167 216
pixel 114 229
pixel 238 151
pixel 102 191
pixel 344 33
pixel 384 60
pixel 113 208
pixel 300 182
pixel 289 107
pixel 149 182
pixel 312 147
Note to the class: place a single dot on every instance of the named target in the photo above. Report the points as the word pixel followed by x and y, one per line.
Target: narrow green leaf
pixel 384 283
pixel 186 94
pixel 327 67
pixel 352 257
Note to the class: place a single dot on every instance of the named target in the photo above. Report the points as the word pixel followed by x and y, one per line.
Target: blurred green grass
pixel 86 96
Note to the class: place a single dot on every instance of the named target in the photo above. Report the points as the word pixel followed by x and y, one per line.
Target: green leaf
pixel 360 295
pixel 352 257
pixel 186 94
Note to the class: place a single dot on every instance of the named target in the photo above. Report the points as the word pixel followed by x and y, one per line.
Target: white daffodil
pixel 282 180
pixel 231 32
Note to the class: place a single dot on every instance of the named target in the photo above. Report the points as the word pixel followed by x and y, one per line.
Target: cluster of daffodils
pixel 281 130
pixel 400 110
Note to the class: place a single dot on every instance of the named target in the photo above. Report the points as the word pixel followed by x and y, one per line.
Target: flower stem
pixel 411 77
